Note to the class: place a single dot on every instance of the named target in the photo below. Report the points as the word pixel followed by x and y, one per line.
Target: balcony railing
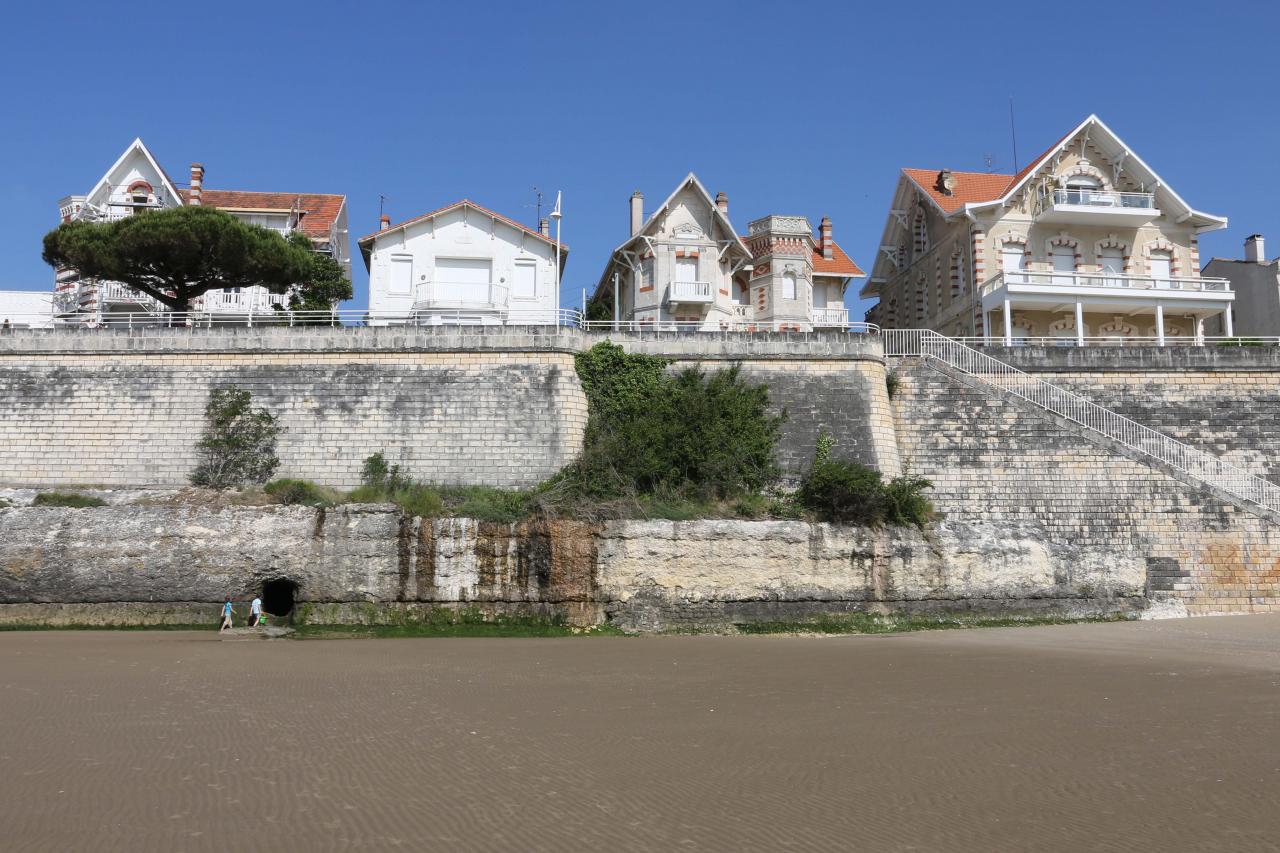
pixel 114 292
pixel 1106 280
pixel 1103 198
pixel 250 299
pixel 459 294
pixel 830 316
pixel 689 291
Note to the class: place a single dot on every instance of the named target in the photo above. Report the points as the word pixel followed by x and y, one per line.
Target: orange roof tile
pixel 486 211
pixel 971 187
pixel 319 211
pixel 841 264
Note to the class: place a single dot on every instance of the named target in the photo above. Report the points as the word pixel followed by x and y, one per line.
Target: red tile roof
pixel 486 211
pixel 841 264
pixel 971 187
pixel 975 187
pixel 319 211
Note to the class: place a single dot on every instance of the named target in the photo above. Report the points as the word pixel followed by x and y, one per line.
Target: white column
pixel 1227 321
pixel 986 327
pixel 1159 324
pixel 1008 324
pixel 1079 325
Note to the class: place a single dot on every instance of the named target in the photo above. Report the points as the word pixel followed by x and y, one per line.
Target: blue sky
pixel 789 108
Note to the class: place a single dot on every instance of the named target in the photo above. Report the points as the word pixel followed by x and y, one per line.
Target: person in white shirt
pixel 255 612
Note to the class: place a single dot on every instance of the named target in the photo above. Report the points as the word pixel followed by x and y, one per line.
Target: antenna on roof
pixel 382 200
pixel 990 160
pixel 1013 133
pixel 538 194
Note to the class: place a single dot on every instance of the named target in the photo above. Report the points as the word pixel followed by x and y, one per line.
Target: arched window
pixel 1082 189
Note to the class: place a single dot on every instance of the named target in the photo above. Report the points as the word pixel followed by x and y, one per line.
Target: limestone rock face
pixel 187 553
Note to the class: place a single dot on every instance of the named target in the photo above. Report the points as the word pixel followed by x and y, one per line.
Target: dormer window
pixel 139 193
pixel 1080 188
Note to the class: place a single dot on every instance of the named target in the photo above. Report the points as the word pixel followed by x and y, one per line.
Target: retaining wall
pixel 495 406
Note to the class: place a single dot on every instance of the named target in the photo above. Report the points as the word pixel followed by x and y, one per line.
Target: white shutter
pixel 525 284
pixel 401 280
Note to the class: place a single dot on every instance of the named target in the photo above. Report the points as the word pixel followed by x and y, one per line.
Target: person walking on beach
pixel 226 617
pixel 255 612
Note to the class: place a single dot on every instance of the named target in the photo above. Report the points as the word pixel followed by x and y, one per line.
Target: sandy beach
pixel 1126 736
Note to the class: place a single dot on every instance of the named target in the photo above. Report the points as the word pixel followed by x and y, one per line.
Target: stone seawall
pixel 498 406
pixel 998 462
pixel 177 563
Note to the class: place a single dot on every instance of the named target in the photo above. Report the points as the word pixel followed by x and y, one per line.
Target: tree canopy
pixel 325 283
pixel 176 254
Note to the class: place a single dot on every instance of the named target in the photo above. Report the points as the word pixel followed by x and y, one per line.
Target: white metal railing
pixel 1009 379
pixel 241 300
pixel 1087 197
pixel 1105 279
pixel 115 291
pixel 830 316
pixel 1068 339
pixel 689 291
pixel 458 294
pixel 724 325
pixel 199 318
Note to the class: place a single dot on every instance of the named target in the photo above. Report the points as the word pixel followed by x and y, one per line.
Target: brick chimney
pixel 825 243
pixel 637 212
pixel 1255 249
pixel 384 222
pixel 197 182
pixel 544 227
pixel 722 202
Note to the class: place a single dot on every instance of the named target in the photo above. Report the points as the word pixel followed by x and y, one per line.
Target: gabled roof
pixel 841 264
pixel 138 146
pixel 716 214
pixel 320 210
pixel 976 191
pixel 367 240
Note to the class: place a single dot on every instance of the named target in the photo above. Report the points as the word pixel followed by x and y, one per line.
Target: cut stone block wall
pixel 497 406
pixel 998 462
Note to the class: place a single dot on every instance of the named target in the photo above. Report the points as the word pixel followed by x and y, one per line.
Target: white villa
pixel 26 309
pixel 136 182
pixel 462 264
pixel 686 267
pixel 1085 243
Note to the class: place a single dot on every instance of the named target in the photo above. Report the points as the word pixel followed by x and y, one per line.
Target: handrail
pixel 1089 197
pixel 1009 379
pixel 1104 279
pixel 89 321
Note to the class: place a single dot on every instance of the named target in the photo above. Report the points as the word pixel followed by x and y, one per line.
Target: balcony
pixel 690 293
pixel 831 317
pixel 1105 292
pixel 116 293
pixel 466 295
pixel 1055 281
pixel 1081 206
pixel 252 300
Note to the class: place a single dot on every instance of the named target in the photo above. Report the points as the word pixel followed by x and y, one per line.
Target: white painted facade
pixel 26 309
pixel 462 264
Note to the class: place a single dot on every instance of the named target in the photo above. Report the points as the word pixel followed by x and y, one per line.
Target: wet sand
pixel 1134 736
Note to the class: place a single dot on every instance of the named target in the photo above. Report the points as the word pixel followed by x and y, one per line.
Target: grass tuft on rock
pixel 75 500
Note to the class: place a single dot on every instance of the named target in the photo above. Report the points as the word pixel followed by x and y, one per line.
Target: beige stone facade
pixel 1085 243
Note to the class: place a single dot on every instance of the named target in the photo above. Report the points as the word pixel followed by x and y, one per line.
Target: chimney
pixel 197 180
pixel 637 212
pixel 825 243
pixel 384 222
pixel 722 202
pixel 544 227
pixel 946 183
pixel 1254 250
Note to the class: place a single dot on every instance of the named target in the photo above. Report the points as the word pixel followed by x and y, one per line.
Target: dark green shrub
pixel 846 492
pixel 891 384
pixel 239 442
pixel 301 492
pixel 693 435
pixel 69 499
